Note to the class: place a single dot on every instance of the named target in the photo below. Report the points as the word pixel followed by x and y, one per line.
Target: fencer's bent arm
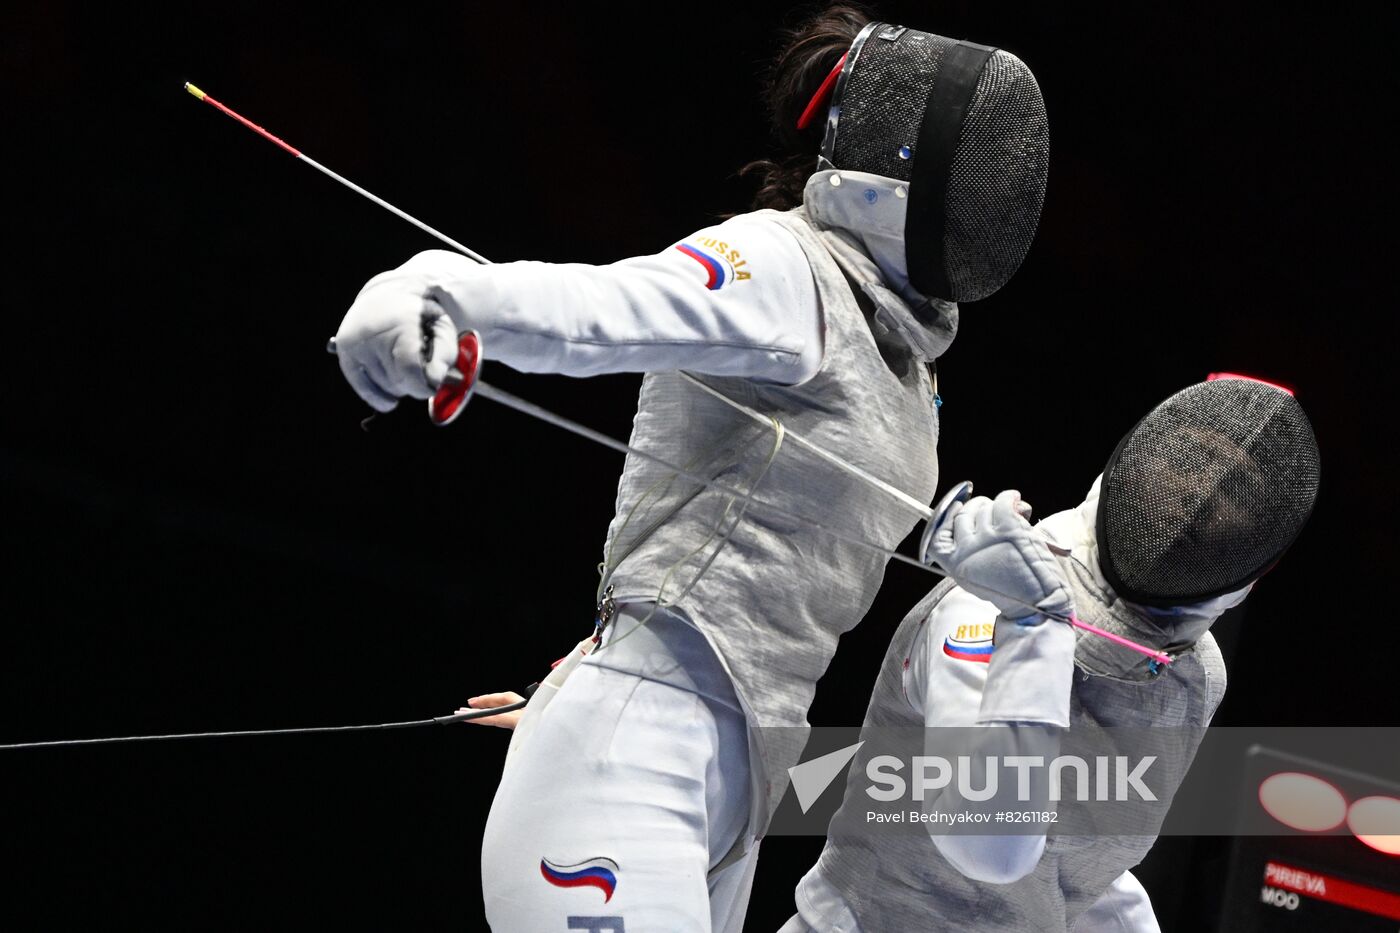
pixel 1025 701
pixel 737 299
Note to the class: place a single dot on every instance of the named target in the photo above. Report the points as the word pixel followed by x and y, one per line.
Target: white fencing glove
pixel 398 338
pixel 994 553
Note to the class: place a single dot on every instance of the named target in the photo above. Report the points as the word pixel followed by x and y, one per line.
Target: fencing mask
pixel 1206 492
pixel 964 125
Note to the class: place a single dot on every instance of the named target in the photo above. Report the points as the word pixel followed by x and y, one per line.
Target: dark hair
pixel 811 50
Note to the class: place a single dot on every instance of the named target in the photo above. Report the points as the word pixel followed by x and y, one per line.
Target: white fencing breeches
pixel 629 786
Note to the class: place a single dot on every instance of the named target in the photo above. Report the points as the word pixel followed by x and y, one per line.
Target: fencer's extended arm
pixel 737 299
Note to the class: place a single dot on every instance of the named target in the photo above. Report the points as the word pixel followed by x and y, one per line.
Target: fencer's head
pixel 957 130
pixel 964 126
pixel 809 53
pixel 1205 493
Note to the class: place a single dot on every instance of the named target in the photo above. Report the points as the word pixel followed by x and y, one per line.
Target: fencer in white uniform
pixel 1201 498
pixel 642 779
pixel 633 800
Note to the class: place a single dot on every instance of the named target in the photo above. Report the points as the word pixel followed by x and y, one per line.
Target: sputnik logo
pixel 810 778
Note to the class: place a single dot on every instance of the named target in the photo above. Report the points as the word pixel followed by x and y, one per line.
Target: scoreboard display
pixel 1318 850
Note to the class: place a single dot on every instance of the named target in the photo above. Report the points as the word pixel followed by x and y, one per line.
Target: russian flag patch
pixel 979 650
pixel 717 270
pixel 600 873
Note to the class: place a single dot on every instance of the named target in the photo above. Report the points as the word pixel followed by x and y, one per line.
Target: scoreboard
pixel 1318 850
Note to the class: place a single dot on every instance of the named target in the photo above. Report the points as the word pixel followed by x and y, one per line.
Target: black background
pixel 198 536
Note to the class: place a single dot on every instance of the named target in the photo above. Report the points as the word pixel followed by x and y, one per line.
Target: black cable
pixel 414 723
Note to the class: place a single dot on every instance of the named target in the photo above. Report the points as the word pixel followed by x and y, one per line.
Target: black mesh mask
pixel 1206 492
pixel 965 125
